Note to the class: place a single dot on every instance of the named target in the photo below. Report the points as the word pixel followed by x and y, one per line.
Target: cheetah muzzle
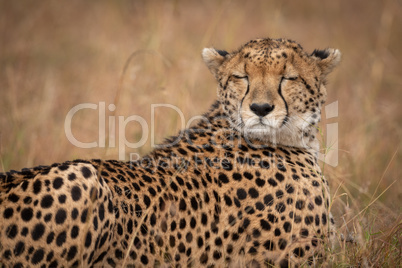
pixel 242 188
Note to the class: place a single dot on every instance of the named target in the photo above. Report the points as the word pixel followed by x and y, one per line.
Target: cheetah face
pixel 272 90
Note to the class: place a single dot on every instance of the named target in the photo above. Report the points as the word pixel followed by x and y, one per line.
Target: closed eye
pixel 239 77
pixel 291 78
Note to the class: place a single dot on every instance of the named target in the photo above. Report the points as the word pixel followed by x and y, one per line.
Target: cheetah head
pixel 272 90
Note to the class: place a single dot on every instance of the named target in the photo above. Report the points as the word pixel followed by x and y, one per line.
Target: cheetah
pixel 241 188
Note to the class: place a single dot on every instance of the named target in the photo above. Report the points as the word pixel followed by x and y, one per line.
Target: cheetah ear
pixel 327 59
pixel 214 58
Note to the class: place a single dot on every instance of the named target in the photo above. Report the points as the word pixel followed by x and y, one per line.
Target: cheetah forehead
pixel 262 51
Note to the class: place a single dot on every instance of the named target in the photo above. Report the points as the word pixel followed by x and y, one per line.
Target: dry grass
pixel 55 55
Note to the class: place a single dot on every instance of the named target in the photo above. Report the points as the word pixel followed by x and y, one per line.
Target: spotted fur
pixel 242 188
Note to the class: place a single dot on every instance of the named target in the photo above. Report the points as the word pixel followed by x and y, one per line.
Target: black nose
pixel 261 109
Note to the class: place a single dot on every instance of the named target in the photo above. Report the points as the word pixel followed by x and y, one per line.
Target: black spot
pixel 269 245
pixel 13 198
pixel 72 176
pixel 74 231
pixel 260 182
pixel 182 223
pixel 223 178
pixel 86 172
pixel 84 216
pixel 101 212
pixel 24 185
pixel 272 182
pixel 19 248
pixel 71 253
pixel 324 219
pixel 303 233
pixel 26 214
pixel 204 258
pixel 62 198
pixel 226 165
pixel 217 255
pixel 253 192
pixel 173 226
pixel 280 207
pixel 279 194
pixel 46 201
pixel 38 231
pixel 248 175
pixel 264 164
pixel 300 204
pixel 265 225
pixel 279 177
pixel 27 200
pixel 308 219
pixel 63 167
pixel 299 252
pixel 49 256
pixel 228 201
pixel 268 200
pixel 57 183
pixel 277 232
pixel 88 240
pixel 306 192
pixel 38 256
pixel 260 206
pixel 289 188
pixel 318 200
pixel 181 247
pixel 182 205
pixel 61 238
pixel 272 218
pixel 37 186
pixel 237 176
pixel 24 231
pixel 76 193
pixel 282 243
pixel 194 203
pixel 61 216
pixel 204 218
pixel 287 226
pixel 246 223
pixel 11 231
pixel 147 178
pixel 74 213
pixel 7 254
pixel 241 194
pixel 147 201
pixel 144 259
pixel 119 254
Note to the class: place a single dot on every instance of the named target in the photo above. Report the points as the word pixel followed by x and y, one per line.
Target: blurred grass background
pixel 57 54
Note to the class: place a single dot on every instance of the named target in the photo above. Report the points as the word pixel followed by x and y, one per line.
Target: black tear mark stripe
pixel 286 104
pixel 248 86
pixel 226 84
pixel 248 89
